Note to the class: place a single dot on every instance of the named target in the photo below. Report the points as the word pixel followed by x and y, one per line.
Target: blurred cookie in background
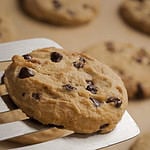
pixel 7 31
pixel 137 14
pixel 130 62
pixel 142 142
pixel 62 12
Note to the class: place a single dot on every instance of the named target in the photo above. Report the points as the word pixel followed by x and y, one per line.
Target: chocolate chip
pixel 85 6
pixel 89 82
pixel 36 96
pixel 95 102
pixel 110 46
pixel 92 88
pixel 121 72
pixel 117 102
pixel 27 57
pixel 25 73
pixel 2 79
pixel 23 94
pixel 82 59
pixel 104 125
pixel 56 57
pixel 56 4
pixel 68 87
pixel 139 60
pixel 139 92
pixel 80 63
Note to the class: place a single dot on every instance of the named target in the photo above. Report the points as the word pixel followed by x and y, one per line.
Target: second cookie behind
pixel 130 62
pixel 62 12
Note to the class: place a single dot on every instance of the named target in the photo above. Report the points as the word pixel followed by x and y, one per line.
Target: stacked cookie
pixel 131 63
pixel 71 90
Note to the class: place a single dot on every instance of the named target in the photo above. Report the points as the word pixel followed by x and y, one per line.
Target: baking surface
pixel 107 26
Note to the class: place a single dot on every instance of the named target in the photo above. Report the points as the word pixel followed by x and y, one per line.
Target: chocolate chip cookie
pixel 142 142
pixel 72 90
pixel 137 14
pixel 131 63
pixel 7 32
pixel 62 12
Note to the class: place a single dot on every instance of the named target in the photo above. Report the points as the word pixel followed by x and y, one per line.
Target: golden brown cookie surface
pixel 68 89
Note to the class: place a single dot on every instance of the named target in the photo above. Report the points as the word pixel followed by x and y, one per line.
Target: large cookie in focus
pixel 71 90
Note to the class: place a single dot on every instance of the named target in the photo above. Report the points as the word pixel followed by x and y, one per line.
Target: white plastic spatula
pixel 125 129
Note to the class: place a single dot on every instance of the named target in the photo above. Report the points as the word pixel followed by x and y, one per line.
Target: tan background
pixel 107 26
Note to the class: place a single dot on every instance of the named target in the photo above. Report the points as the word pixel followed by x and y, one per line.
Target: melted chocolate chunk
pixel 139 92
pixel 56 57
pixel 36 96
pixel 25 73
pixel 27 57
pixel 2 79
pixel 95 102
pixel 104 126
pixel 110 46
pixel 68 87
pixel 117 102
pixel 79 64
pixel 56 4
pixel 92 88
